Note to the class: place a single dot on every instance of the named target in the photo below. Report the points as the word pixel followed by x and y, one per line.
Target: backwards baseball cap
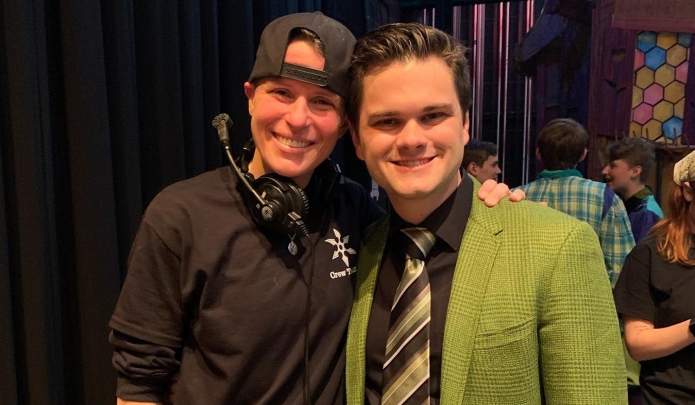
pixel 337 40
pixel 684 169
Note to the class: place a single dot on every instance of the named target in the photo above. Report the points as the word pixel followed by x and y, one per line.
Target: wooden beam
pixel 651 15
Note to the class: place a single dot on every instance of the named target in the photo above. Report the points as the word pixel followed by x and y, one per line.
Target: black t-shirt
pixel 212 295
pixel 651 289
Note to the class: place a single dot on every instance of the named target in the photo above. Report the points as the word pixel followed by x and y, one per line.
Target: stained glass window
pixel 658 96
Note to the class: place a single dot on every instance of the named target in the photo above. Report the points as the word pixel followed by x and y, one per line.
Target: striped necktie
pixel 407 361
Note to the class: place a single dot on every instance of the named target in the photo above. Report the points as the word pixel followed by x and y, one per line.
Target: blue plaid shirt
pixel 569 192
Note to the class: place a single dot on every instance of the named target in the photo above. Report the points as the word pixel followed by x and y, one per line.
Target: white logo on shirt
pixel 346 272
pixel 341 248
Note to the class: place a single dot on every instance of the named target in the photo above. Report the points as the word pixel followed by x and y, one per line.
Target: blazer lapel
pixel 368 266
pixel 477 255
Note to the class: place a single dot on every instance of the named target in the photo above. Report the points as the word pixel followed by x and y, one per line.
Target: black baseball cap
pixel 337 40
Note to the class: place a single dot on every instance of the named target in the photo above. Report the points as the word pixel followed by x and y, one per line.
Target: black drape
pixel 102 104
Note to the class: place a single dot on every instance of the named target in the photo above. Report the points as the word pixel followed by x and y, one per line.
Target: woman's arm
pixel 644 342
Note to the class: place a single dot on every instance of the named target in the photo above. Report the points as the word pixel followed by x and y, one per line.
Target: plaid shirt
pixel 567 191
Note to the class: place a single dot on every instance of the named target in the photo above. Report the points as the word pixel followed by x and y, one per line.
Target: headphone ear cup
pixel 286 204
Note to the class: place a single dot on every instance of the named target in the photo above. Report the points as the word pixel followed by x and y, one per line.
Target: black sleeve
pixel 144 369
pixel 632 292
pixel 147 321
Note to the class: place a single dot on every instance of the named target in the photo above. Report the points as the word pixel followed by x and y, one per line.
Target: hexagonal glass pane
pixel 637 96
pixel 652 129
pixel 644 77
pixel 673 128
pixel 682 72
pixel 655 58
pixel 679 108
pixel 642 113
pixel 639 59
pixel 676 55
pixel 635 129
pixel 663 111
pixel 666 39
pixel 673 92
pixel 685 39
pixel 665 75
pixel 653 94
pixel 646 40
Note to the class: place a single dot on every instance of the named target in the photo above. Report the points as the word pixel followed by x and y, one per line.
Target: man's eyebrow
pixel 391 113
pixel 382 114
pixel 433 107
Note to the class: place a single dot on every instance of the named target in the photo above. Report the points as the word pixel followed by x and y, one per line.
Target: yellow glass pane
pixel 635 129
pixel 665 75
pixel 674 92
pixel 666 39
pixel 652 129
pixel 663 111
pixel 644 77
pixel 676 55
pixel 637 96
pixel 679 108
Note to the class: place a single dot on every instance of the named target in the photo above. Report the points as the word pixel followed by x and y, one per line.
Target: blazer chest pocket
pixel 511 335
pixel 506 361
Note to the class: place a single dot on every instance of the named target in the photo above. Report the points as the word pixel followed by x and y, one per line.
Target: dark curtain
pixel 103 104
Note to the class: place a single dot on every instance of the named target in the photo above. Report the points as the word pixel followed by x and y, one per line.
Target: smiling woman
pixel 295 124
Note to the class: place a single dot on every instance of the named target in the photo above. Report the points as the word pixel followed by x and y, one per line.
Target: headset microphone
pixel 275 202
pixel 222 123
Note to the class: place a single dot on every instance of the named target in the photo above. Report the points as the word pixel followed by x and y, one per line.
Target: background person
pixel 654 296
pixel 480 160
pixel 561 144
pixel 630 162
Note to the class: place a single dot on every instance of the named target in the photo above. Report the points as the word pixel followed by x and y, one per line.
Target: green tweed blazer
pixel 530 320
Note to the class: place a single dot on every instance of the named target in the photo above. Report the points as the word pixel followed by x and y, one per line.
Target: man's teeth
pixel 293 143
pixel 413 162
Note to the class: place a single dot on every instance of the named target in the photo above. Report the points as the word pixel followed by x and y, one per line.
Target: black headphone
pixel 276 202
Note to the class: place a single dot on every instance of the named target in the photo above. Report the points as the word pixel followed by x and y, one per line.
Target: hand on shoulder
pixel 492 192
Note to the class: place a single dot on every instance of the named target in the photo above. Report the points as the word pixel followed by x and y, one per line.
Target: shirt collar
pixel 556 174
pixel 449 220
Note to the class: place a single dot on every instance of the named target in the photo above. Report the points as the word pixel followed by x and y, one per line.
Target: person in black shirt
pixel 655 296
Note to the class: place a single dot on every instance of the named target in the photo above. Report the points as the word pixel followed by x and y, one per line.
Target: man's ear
pixel 466 128
pixel 583 156
pixel 635 171
pixel 356 141
pixel 250 91
pixel 538 155
pixel 472 168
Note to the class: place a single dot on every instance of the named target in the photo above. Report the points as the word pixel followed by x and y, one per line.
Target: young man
pixel 480 160
pixel 220 295
pixel 561 144
pixel 513 304
pixel 630 162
